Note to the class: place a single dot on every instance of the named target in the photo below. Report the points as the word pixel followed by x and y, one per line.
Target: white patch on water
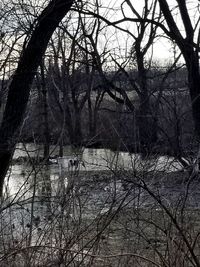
pixel 102 159
pixel 93 159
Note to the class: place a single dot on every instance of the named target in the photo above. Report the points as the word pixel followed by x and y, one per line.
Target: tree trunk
pixel 68 119
pixel 147 128
pixel 92 119
pixel 190 53
pixel 78 137
pixel 147 132
pixel 61 147
pixel 192 64
pixel 19 88
pixel 45 114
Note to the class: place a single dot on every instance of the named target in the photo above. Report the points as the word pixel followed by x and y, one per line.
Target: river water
pixel 93 159
pixel 102 159
pixel 37 191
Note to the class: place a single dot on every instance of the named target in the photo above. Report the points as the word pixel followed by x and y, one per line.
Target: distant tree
pixel 187 39
pixel 143 38
pixel 74 78
pixel 142 35
pixel 19 89
pixel 43 102
pixel 67 79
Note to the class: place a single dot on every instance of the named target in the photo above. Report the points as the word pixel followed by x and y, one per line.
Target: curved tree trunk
pixel 19 88
pixel 190 52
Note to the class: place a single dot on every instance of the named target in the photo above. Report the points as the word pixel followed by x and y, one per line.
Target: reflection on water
pixel 94 159
pixel 53 203
pixel 101 159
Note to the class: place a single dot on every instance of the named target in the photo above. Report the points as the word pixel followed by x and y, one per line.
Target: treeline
pixel 96 117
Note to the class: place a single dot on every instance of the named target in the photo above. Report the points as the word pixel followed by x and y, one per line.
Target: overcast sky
pixel 162 48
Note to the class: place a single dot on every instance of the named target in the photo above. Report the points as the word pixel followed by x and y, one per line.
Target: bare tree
pixel 19 88
pixel 74 76
pixel 68 81
pixel 189 47
pixel 143 40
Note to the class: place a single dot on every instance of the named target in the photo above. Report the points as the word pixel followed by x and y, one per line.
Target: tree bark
pixel 146 122
pixel 45 118
pixel 190 54
pixel 19 88
pixel 192 64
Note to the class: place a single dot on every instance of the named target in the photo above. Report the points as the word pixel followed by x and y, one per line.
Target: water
pixel 39 191
pixel 102 159
pixel 93 159
pixel 22 178
pixel 46 182
pixel 51 179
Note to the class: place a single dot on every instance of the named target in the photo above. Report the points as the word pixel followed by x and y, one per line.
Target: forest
pixel 99 133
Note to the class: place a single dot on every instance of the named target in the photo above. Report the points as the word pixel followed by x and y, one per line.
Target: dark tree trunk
pixel 92 117
pixel 192 64
pixel 78 137
pixel 147 131
pixel 19 88
pixel 147 128
pixel 94 123
pixel 45 114
pixel 190 53
pixel 61 147
pixel 68 119
pixel 73 124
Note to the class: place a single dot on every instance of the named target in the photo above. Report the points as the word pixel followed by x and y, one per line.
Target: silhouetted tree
pixel 189 47
pixel 19 88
